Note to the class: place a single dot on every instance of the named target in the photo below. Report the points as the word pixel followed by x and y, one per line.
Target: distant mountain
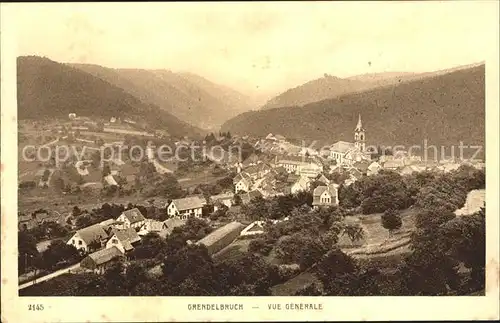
pixel 316 90
pixel 48 89
pixel 330 87
pixel 443 109
pixel 187 96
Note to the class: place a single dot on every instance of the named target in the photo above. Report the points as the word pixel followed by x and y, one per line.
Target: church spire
pixel 359 126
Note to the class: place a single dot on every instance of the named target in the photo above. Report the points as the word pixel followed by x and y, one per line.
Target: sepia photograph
pixel 291 150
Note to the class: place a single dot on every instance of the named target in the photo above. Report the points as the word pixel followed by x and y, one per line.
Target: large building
pixel 186 207
pixel 221 237
pixel 347 153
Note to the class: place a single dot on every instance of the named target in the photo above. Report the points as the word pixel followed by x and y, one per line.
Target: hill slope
pixel 48 89
pixel 443 109
pixel 187 96
pixel 330 87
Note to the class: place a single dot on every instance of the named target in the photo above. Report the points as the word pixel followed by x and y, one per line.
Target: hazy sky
pixel 261 48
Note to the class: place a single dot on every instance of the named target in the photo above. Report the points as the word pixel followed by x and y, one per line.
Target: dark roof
pixel 134 215
pixel 247 197
pixel 240 176
pixel 92 233
pixel 128 234
pixel 170 224
pixel 105 255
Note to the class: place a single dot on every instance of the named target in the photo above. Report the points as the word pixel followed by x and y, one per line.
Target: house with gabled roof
pixel 322 179
pixel 123 239
pixel 132 218
pixel 186 207
pixel 249 196
pixel 325 196
pixel 101 260
pixel 223 198
pixel 89 239
pixel 253 159
pixel 362 166
pixel 258 170
pixel 242 182
pixel 169 225
pixel 394 164
pixel 150 225
pixel 300 185
pixel 373 168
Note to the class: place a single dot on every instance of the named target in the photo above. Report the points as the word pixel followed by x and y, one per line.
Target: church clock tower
pixel 359 135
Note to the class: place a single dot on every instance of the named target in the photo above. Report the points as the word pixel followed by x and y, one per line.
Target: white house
pixel 150 225
pixel 325 196
pixel 132 218
pixel 186 207
pixel 242 182
pixel 339 149
pixel 373 168
pixel 123 239
pixel 89 239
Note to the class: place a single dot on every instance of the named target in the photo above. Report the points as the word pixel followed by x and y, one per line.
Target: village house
pixel 373 168
pixel 251 160
pixel 123 239
pixel 132 218
pixel 300 185
pixel 325 196
pixel 248 197
pixel 224 198
pixel 89 239
pixel 322 179
pixel 150 225
pixel 310 170
pixel 254 228
pixel 221 237
pixel 242 182
pixel 100 260
pixel 258 170
pixel 394 164
pixel 186 207
pixel 362 166
pixel 27 222
pixel 169 225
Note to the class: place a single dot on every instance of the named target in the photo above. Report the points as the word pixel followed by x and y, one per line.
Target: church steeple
pixel 359 126
pixel 359 135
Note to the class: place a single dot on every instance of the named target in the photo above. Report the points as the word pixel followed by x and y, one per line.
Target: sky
pixel 262 48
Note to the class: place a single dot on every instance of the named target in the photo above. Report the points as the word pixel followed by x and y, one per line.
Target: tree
pixel 27 251
pixel 355 232
pixel 335 271
pixel 59 252
pixel 391 220
pixel 152 246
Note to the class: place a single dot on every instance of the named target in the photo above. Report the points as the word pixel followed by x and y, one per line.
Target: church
pixel 348 153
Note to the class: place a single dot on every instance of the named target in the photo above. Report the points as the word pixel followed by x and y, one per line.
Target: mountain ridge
pixel 444 109
pixel 50 89
pixel 204 104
